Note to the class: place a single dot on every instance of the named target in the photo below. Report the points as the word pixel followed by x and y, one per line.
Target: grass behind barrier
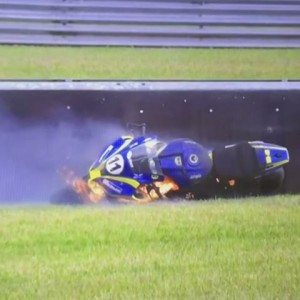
pixel 219 249
pixel 24 62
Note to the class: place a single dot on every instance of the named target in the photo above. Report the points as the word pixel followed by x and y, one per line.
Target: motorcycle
pixel 144 169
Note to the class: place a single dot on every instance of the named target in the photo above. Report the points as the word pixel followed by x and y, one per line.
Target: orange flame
pixel 164 187
pixel 167 185
pixel 81 187
pixel 92 192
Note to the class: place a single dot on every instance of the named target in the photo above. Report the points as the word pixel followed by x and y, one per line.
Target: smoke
pixel 32 153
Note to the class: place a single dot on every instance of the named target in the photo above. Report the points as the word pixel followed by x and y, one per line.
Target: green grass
pixel 219 249
pixel 137 63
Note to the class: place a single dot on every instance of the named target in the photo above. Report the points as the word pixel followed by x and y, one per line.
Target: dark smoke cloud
pixel 31 153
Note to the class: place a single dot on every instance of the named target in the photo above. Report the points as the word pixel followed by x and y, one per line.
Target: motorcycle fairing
pixel 248 159
pixel 126 164
pixel 270 156
pixel 131 165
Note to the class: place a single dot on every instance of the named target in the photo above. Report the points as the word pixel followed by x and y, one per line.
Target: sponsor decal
pixel 178 161
pixel 193 159
pixel 112 186
pixel 196 176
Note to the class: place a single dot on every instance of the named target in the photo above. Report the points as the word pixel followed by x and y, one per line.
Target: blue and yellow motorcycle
pixel 145 169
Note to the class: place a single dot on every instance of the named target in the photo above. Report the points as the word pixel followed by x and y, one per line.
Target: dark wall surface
pixel 41 131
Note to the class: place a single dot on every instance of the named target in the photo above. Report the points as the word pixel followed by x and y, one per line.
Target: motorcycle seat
pixel 236 161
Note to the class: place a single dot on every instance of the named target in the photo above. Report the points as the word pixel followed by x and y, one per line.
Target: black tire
pixel 271 182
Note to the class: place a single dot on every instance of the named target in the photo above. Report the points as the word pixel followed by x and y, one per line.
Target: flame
pixel 85 190
pixel 92 192
pixel 164 187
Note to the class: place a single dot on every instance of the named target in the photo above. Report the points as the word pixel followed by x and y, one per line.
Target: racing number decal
pixel 115 165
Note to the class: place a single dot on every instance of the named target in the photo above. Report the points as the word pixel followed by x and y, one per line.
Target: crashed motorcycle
pixel 145 169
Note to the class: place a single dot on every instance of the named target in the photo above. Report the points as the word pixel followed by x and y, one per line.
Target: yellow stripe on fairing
pixel 132 182
pixel 277 164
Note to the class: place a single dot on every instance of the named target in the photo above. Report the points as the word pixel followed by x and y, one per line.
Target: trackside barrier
pixel 151 23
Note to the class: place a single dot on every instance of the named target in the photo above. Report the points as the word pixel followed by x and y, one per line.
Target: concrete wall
pixel 46 125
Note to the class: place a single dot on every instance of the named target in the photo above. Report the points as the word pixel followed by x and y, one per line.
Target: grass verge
pixel 24 62
pixel 219 249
